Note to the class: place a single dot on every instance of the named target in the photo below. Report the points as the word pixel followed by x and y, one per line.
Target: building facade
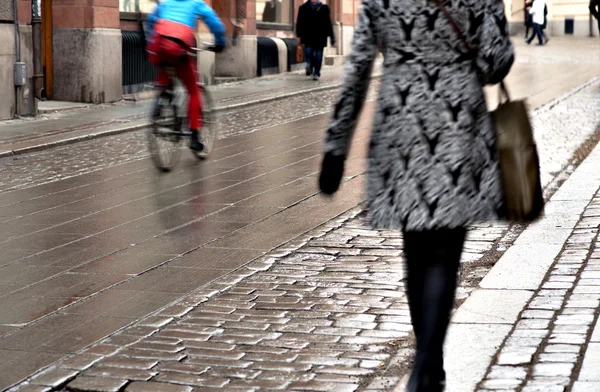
pixel 92 51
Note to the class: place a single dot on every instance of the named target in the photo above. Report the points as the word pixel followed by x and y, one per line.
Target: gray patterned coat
pixel 432 157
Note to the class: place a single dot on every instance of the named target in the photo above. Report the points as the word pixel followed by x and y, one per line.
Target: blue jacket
pixel 188 12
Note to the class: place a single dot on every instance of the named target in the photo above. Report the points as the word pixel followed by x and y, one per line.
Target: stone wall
pixel 87 65
pixel 7 60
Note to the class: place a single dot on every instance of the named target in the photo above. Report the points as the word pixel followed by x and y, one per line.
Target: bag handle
pixel 463 39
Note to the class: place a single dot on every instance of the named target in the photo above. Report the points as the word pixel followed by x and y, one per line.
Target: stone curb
pixel 131 128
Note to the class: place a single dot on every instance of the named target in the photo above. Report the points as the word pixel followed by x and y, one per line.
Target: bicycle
pixel 169 123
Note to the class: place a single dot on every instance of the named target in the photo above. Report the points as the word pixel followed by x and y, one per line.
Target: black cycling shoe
pixel 195 144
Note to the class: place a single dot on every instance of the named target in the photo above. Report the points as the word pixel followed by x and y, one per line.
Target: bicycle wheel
pixel 208 135
pixel 164 136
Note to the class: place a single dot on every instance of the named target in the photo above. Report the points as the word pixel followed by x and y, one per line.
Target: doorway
pixel 47 63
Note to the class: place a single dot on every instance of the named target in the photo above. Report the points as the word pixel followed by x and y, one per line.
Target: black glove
pixel 333 43
pixel 217 48
pixel 332 170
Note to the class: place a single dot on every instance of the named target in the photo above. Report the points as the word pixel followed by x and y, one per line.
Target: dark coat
pixel 313 26
pixel 433 162
pixel 595 8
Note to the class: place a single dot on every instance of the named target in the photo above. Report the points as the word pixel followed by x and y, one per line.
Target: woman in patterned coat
pixel 432 164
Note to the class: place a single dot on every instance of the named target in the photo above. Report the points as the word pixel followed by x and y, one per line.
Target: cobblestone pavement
pixel 325 312
pixel 545 350
pixel 62 162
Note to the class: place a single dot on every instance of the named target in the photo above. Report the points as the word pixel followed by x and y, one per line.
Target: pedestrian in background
pixel 595 11
pixel 545 25
pixel 528 19
pixel 313 26
pixel 537 11
pixel 432 161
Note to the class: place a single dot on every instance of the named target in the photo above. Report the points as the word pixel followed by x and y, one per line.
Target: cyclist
pixel 171 29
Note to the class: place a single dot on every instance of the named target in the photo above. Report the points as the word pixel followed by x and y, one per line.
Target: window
pixel 274 13
pixel 144 6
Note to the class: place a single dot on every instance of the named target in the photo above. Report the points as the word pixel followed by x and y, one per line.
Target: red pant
pixel 165 53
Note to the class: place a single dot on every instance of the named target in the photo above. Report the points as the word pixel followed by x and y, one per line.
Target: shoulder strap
pixel 463 39
pixel 454 25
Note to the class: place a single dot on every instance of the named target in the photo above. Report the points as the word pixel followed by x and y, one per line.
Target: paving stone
pixel 559 357
pixel 127 363
pixel 178 367
pixel 567 338
pixel 235 373
pixel 546 303
pixel 218 362
pixel 177 310
pixel 503 384
pixel 537 314
pixel 543 388
pixel 323 386
pixel 390 335
pixel 156 387
pixel 148 354
pixel 191 380
pixel 577 329
pixel 516 355
pixel 168 348
pixel 235 339
pixel 530 333
pixel 218 354
pixel 291 377
pixel 31 388
pixel 54 377
pixel 364 340
pixel 517 341
pixel 155 322
pixel 191 322
pixel 561 348
pixel 551 381
pixel 336 331
pixel 507 372
pixel 533 324
pixel 343 370
pixel 120 373
pixel 282 366
pixel 553 369
pixel 81 361
pixel 259 384
pixel 368 364
pixel 586 386
pixel 574 319
pixel 260 357
pixel 97 384
pixel 184 335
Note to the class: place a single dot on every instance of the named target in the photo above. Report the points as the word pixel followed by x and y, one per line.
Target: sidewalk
pixel 83 123
pixel 537 308
pixel 566 63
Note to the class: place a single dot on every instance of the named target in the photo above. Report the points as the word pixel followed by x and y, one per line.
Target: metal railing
pixel 137 71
